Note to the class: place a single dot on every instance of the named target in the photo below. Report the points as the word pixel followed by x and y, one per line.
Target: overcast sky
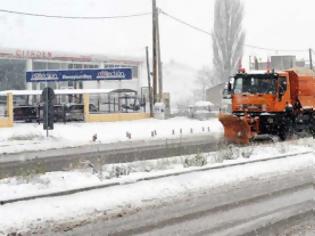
pixel 280 24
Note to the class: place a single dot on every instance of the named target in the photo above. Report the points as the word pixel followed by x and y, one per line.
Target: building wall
pixel 215 95
pixel 283 62
pixel 12 74
pixel 278 63
pixel 15 62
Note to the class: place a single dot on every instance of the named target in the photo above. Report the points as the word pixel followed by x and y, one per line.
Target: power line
pixel 209 34
pixel 74 17
pixel 138 15
pixel 184 23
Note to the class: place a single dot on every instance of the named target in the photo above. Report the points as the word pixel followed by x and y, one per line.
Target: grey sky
pixel 282 24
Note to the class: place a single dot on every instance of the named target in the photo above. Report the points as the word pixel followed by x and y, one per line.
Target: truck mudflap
pixel 238 130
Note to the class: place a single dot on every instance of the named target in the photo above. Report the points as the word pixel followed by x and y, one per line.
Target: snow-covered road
pixel 123 208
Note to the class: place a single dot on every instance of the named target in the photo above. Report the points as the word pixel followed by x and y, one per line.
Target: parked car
pixel 25 113
pixel 75 112
pixel 202 110
pixel 59 113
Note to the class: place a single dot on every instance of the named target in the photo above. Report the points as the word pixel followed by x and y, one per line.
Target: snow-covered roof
pixel 203 104
pixel 159 104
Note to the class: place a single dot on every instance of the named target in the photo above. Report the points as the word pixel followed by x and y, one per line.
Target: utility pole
pixel 154 51
pixel 149 80
pixel 159 59
pixel 310 51
pixel 250 63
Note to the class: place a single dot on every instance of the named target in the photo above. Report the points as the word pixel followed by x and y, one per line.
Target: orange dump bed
pixel 302 87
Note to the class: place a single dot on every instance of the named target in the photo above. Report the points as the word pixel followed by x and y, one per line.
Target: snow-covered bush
pixel 246 152
pixel 116 171
pixel 229 153
pixel 282 148
pixel 197 160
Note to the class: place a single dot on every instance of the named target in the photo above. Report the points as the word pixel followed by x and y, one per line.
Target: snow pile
pixel 204 104
pixel 128 172
pixel 27 137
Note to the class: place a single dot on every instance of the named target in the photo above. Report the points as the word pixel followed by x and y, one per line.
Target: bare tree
pixel 228 37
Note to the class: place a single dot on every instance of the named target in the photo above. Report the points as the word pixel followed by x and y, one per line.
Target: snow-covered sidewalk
pixel 29 137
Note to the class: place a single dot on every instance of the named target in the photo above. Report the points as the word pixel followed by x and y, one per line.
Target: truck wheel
pixel 312 131
pixel 286 129
pixel 283 134
pixel 312 128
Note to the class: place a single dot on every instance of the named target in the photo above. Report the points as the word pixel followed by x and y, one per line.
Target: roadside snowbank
pixel 30 137
pixel 50 182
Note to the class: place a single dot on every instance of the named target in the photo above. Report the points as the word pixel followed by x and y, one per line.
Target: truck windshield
pixel 254 84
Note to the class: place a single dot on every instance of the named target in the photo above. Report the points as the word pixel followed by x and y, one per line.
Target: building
pixel 282 62
pixel 215 95
pixel 15 62
pixel 112 99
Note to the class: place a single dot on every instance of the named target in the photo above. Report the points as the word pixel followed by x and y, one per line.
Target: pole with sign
pixel 48 96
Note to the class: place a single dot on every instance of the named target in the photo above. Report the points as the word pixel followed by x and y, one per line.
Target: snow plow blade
pixel 236 129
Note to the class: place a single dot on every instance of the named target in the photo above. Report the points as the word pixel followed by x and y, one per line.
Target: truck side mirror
pixel 282 89
pixel 280 97
pixel 229 87
pixel 281 92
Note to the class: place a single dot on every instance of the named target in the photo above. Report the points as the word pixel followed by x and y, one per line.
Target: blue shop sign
pixel 79 75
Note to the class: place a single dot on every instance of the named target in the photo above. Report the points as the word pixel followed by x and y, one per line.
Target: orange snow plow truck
pixel 270 104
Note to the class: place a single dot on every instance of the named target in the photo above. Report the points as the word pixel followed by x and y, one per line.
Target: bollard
pixel 208 129
pixel 181 131
pixel 173 132
pixel 191 130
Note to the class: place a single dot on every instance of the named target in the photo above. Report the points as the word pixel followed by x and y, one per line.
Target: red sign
pixel 33 54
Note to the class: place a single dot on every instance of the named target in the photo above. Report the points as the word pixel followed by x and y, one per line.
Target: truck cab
pixel 260 93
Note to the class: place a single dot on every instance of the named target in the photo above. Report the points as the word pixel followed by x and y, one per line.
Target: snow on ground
pixel 27 137
pixel 23 186
pixel 81 206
